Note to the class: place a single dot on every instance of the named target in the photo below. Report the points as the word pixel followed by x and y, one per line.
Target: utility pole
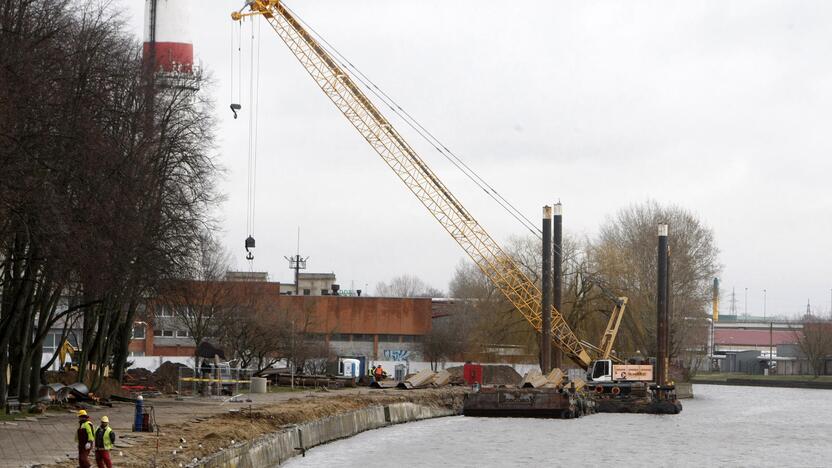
pixel 292 357
pixel 546 300
pixel 733 301
pixel 297 263
pixel 557 277
pixel 764 304
pixel 746 304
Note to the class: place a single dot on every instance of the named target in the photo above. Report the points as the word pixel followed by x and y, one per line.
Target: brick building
pixel 376 327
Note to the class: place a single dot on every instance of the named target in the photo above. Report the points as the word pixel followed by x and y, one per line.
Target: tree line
pixel 619 261
pixel 106 189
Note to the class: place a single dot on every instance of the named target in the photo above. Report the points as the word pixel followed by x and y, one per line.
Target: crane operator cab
pixel 600 371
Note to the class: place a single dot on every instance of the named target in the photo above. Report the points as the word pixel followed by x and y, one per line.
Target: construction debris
pixel 533 379
pixel 421 380
pixel 441 379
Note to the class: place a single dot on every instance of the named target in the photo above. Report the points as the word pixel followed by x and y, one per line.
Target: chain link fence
pixel 216 382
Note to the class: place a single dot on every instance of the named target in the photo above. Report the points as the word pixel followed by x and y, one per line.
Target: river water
pixel 722 426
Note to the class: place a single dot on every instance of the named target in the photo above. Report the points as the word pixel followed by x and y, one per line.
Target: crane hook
pixel 249 245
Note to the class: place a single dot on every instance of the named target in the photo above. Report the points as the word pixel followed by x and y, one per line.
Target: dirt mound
pixel 498 374
pixel 166 376
pixel 139 373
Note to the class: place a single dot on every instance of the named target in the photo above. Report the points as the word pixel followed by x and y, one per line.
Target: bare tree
pixel 446 339
pixel 495 321
pixel 406 286
pixel 624 256
pixel 249 329
pixel 198 301
pixel 815 343
pixel 107 182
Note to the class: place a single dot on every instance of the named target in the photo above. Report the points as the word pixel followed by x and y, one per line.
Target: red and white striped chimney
pixel 167 35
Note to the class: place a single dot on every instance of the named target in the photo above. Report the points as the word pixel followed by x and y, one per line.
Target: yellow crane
pixel 498 266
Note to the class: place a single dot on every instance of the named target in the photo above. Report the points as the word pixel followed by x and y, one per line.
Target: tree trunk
pixel 34 373
pixel 122 350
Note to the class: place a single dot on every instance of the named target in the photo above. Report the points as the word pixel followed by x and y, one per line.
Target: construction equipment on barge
pixel 335 81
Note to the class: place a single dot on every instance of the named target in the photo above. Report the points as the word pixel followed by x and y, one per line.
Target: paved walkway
pixel 50 438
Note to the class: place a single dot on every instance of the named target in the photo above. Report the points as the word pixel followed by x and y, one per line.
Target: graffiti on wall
pixel 396 354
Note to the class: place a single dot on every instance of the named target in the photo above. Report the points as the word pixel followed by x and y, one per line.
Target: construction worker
pixel 104 440
pixel 84 436
pixel 379 373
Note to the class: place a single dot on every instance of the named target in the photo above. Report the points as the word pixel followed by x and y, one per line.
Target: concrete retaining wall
pixel 277 447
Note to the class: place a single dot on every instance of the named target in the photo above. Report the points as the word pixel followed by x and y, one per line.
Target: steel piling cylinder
pixel 661 309
pixel 557 277
pixel 546 301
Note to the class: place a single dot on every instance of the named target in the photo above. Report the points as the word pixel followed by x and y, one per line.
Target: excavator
pixel 422 181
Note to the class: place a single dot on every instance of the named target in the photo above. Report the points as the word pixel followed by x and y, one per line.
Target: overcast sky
pixel 720 107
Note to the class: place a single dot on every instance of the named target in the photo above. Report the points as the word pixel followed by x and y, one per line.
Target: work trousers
pixel 84 458
pixel 102 459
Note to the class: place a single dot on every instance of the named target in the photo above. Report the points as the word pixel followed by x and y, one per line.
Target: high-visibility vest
pixel 105 439
pixel 86 425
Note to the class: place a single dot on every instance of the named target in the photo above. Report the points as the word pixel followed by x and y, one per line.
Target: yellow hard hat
pixel 82 413
pixel 105 419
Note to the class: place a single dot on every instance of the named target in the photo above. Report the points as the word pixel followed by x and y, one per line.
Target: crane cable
pixel 429 137
pixel 253 122
pixel 441 148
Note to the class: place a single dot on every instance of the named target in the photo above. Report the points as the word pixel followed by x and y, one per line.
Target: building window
pixel 167 332
pixel 388 338
pixel 138 332
pixel 157 332
pixel 136 353
pixel 339 337
pixel 362 337
pixel 51 342
pixel 324 292
pixel 162 311
pixel 307 292
pixel 182 333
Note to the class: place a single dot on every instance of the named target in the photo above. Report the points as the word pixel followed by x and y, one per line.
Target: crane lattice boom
pixel 499 267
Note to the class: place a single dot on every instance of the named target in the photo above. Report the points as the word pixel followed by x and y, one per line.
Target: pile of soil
pixel 166 377
pixel 139 374
pixel 499 374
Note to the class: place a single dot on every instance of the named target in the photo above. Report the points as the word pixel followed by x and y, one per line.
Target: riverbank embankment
pixel 265 435
pixel 820 385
